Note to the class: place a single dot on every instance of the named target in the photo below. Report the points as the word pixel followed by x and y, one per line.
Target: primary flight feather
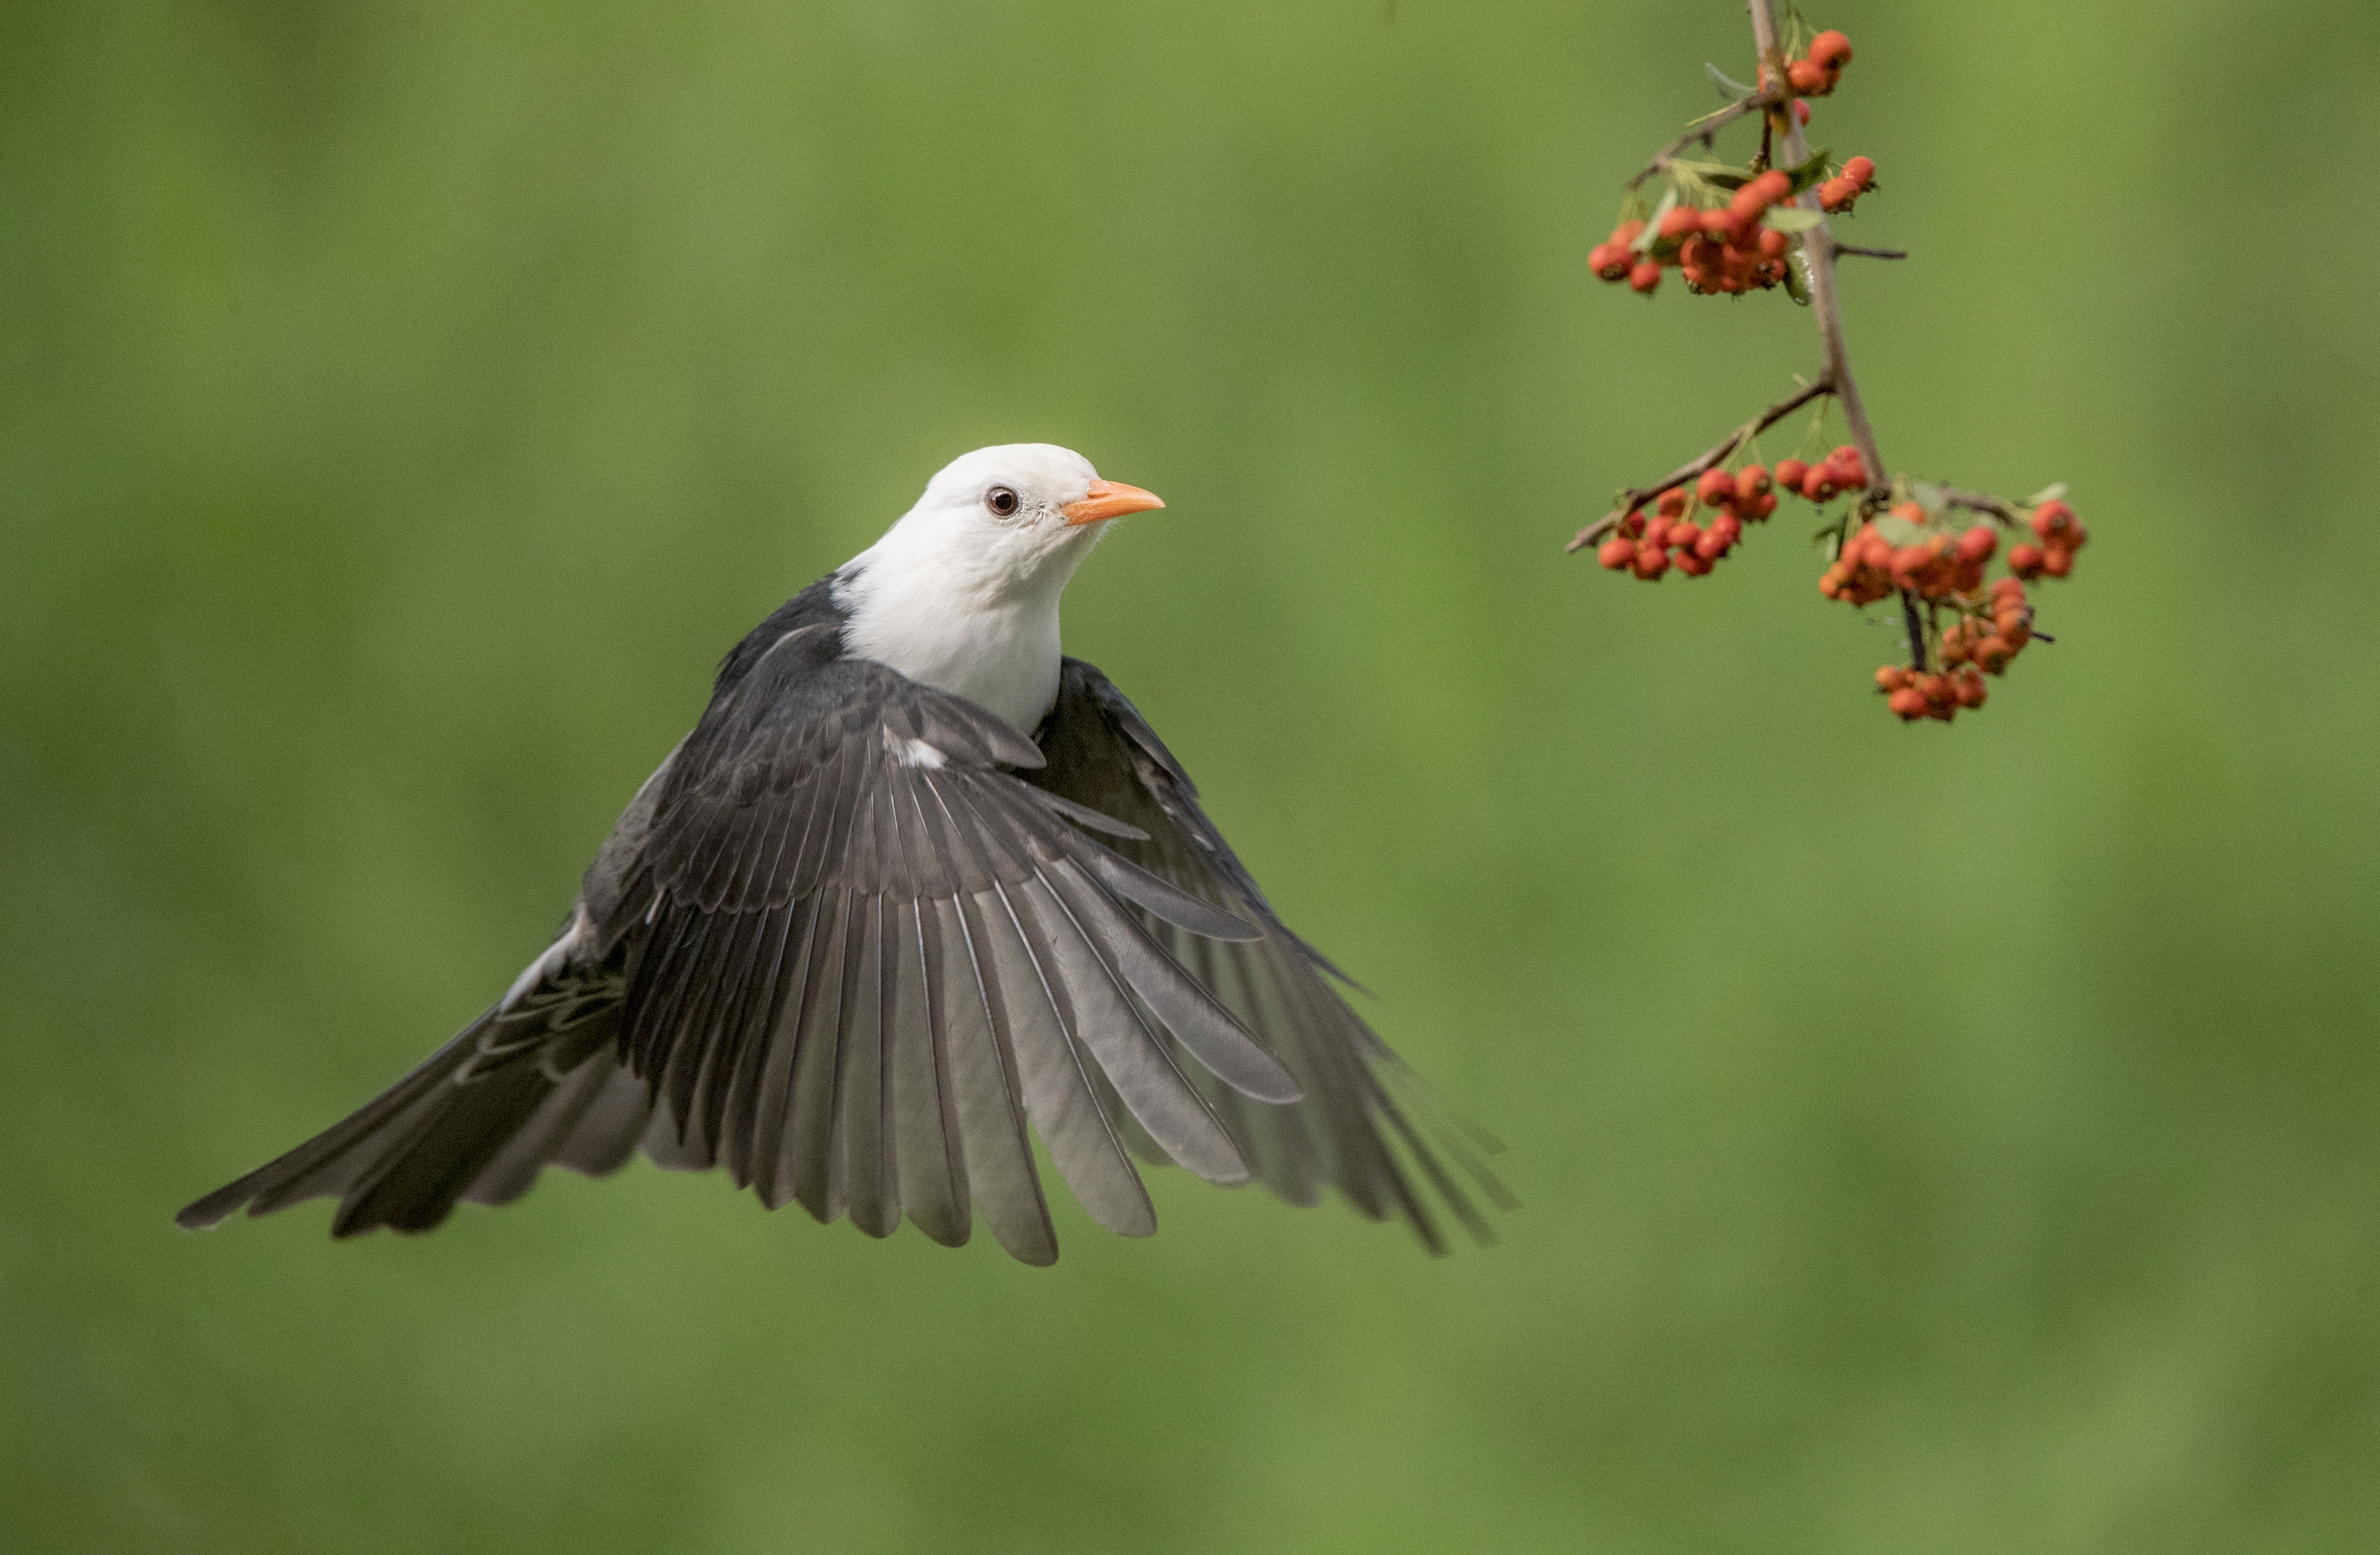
pixel 860 931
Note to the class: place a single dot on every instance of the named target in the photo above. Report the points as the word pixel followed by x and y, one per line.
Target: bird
pixel 917 887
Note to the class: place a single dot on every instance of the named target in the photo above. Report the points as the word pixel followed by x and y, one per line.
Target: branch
pixel 1818 255
pixel 1705 129
pixel 1977 502
pixel 1842 248
pixel 1635 496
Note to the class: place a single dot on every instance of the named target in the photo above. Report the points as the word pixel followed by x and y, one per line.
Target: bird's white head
pixel 962 593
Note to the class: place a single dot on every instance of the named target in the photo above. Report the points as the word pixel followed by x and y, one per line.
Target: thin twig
pixel 1842 248
pixel 1980 501
pixel 1818 252
pixel 1710 458
pixel 1706 130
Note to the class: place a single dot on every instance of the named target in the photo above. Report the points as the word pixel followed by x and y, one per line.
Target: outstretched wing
pixel 861 956
pixel 1102 755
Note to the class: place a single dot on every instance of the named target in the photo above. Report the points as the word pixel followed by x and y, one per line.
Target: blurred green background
pixel 1929 1139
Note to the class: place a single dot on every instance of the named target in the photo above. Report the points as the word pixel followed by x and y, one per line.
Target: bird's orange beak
pixel 1110 499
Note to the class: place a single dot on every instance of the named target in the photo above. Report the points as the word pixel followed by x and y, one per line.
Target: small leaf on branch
pixel 1901 531
pixel 1809 172
pixel 1644 239
pixel 2050 492
pixel 1791 219
pixel 1930 495
pixel 1726 83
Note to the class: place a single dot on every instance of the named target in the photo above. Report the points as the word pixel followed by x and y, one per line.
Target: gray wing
pixel 861 957
pixel 835 943
pixel 1102 755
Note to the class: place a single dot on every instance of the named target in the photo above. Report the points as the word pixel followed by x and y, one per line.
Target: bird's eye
pixel 1001 500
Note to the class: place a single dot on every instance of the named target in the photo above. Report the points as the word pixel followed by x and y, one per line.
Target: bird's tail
pixel 452 1130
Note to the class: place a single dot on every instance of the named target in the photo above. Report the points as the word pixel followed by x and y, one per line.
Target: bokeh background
pixel 1929 1139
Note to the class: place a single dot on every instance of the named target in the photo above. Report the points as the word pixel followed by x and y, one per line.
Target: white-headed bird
pixel 860 930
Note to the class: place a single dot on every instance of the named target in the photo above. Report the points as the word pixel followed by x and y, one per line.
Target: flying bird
pixel 916 882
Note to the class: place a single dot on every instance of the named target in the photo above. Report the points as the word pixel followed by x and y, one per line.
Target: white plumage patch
pixel 914 753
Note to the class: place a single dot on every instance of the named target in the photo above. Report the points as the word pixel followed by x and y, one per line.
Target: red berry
pixel 1673 502
pixel 1613 261
pixel 1656 533
pixel 1684 534
pixel 1830 51
pixel 1820 483
pixel 2052 519
pixel 1682 220
pixel 1626 233
pixel 1891 678
pixel 1766 505
pixel 1645 277
pixel 2025 560
pixel 1729 527
pixel 1801 110
pixel 1716 487
pixel 1968 687
pixel 1849 472
pixel 1806 79
pixel 1616 554
pixel 1993 653
pixel 2058 561
pixel 1692 564
pixel 1634 525
pixel 1909 702
pixel 1978 543
pixel 1861 171
pixel 1651 561
pixel 1751 484
pixel 1789 473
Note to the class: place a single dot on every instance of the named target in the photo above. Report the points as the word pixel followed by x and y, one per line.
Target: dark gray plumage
pixel 852 939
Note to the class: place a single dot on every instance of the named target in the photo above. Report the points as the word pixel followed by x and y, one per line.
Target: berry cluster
pixel 1816 74
pixel 1915 696
pixel 1723 250
pixel 1934 566
pixel 1648 546
pixel 1839 472
pixel 1840 192
pixel 2062 535
pixel 1980 643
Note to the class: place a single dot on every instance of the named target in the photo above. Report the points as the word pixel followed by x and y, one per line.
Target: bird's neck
pixel 990 639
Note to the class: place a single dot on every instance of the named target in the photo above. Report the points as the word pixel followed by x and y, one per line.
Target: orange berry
pixel 1751 484
pixel 1891 678
pixel 1692 564
pixel 2025 560
pixel 1806 79
pixel 1968 687
pixel 1716 486
pixel 1993 653
pixel 1729 527
pixel 1651 561
pixel 2052 519
pixel 1909 702
pixel 1645 277
pixel 1634 525
pixel 1766 505
pixel 1628 232
pixel 1673 502
pixel 1772 244
pixel 1830 51
pixel 1861 171
pixel 1684 221
pixel 1978 543
pixel 1682 535
pixel 1908 513
pixel 1789 473
pixel 1821 483
pixel 1849 471
pixel 1836 194
pixel 2059 561
pixel 1616 554
pixel 1656 533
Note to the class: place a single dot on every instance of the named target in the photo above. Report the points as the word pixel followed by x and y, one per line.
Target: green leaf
pixel 1901 531
pixel 1643 244
pixel 1930 496
pixel 1726 84
pixel 1810 173
pixel 2050 492
pixel 1790 218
